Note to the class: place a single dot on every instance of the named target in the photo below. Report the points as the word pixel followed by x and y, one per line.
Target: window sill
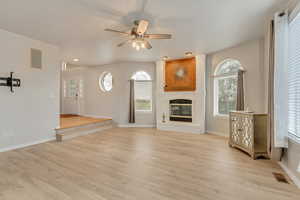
pixel 218 116
pixel 144 111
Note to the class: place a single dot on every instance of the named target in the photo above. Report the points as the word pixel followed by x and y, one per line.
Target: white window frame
pixel 101 79
pixel 216 95
pixel 148 77
pixel 151 100
pixel 145 111
pixel 216 79
pixel 293 16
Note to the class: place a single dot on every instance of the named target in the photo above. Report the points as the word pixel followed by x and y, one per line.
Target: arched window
pixel 141 76
pixel 225 86
pixel 143 91
pixel 106 82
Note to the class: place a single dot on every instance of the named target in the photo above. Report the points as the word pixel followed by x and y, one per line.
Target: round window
pixel 106 82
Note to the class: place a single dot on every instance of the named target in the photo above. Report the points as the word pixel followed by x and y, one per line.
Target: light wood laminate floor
pixel 72 121
pixel 139 164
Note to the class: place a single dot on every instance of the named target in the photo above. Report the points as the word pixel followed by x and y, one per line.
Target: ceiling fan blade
pixel 148 45
pixel 123 43
pixel 115 31
pixel 142 27
pixel 158 36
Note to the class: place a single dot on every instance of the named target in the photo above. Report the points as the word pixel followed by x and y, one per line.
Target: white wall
pixel 114 104
pixel 29 115
pixel 251 56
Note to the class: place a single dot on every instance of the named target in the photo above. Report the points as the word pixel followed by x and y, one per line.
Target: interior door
pixel 72 96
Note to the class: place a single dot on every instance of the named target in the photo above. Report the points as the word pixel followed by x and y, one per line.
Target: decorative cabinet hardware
pixel 248 132
pixel 10 82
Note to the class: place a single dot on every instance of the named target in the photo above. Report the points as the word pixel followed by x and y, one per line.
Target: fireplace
pixel 181 110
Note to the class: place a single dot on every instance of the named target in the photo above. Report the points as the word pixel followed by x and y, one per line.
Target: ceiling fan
pixel 139 36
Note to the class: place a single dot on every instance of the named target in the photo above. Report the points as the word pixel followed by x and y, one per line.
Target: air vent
pixel 36 58
pixel 280 178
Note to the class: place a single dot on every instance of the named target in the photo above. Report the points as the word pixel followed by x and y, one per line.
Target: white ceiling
pixel 201 26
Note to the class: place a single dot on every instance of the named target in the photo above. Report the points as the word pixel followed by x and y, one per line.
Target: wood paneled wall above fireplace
pixel 180 75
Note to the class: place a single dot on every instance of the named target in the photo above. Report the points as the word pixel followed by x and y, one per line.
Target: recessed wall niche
pixel 36 58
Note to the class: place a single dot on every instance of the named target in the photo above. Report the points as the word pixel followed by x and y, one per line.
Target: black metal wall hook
pixel 10 82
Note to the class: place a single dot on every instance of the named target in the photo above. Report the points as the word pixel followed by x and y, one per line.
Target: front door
pixel 72 96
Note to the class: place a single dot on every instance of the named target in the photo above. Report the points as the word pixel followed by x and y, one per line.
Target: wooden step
pixel 84 129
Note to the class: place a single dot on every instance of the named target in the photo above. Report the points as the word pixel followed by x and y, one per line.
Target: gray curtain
pixel 131 103
pixel 274 153
pixel 240 102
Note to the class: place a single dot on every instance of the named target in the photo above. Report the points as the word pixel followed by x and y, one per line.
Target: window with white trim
pixel 106 81
pixel 143 91
pixel 141 76
pixel 225 87
pixel 294 79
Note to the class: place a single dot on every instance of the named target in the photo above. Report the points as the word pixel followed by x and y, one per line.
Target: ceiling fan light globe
pixel 138 36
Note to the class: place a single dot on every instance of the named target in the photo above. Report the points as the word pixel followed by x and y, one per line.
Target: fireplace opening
pixel 181 110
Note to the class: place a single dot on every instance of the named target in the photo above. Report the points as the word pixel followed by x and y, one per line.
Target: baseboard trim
pixel 66 136
pixel 27 145
pixel 292 176
pixel 95 116
pixel 218 134
pixel 136 126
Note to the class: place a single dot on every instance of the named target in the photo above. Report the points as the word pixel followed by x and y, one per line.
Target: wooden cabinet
pixel 248 132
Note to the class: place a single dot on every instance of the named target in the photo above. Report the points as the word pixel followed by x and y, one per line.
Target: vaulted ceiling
pixel 201 26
